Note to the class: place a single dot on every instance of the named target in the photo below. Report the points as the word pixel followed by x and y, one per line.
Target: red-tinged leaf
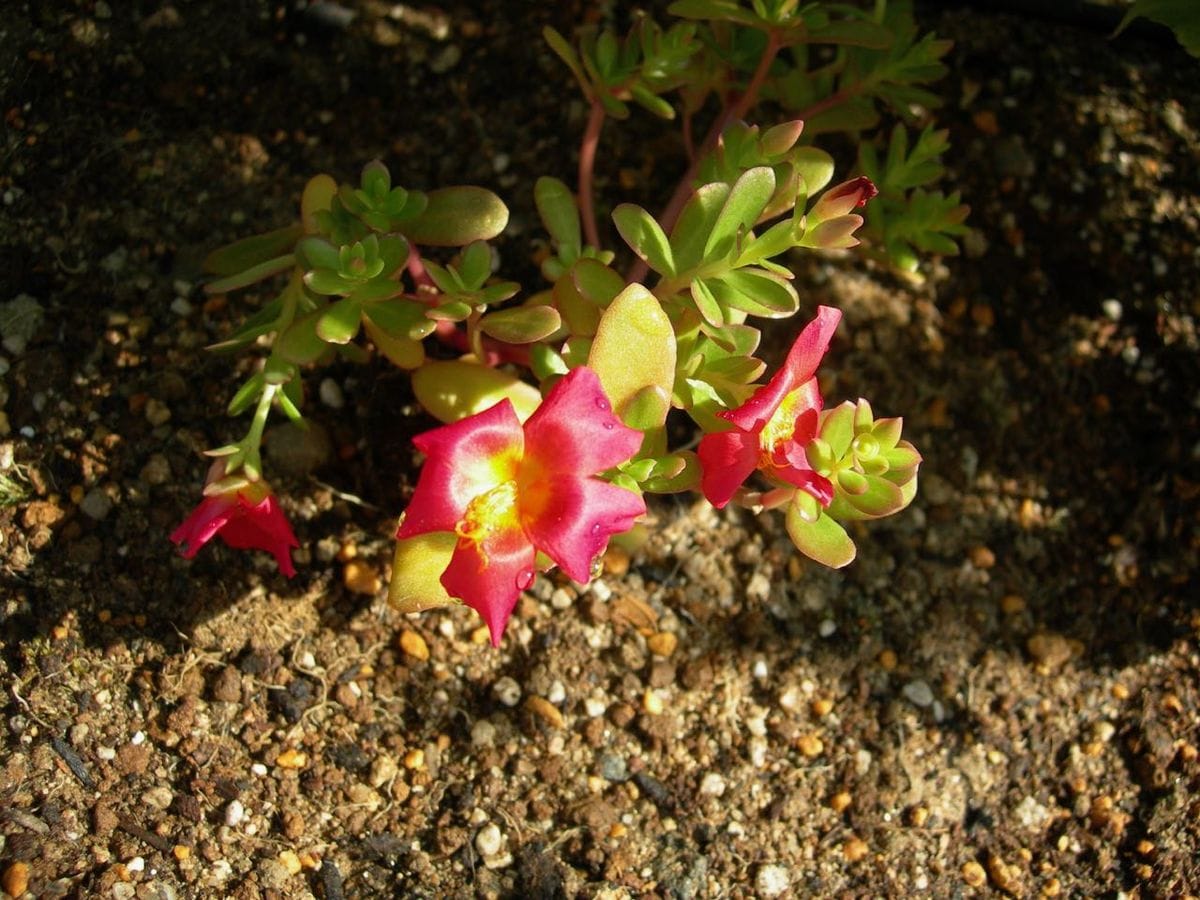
pixel 824 541
pixel 522 325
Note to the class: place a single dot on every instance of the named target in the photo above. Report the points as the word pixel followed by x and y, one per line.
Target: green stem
pixel 253 439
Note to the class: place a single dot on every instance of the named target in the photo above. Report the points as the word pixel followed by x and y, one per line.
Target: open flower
pixel 245 517
pixel 771 429
pixel 509 490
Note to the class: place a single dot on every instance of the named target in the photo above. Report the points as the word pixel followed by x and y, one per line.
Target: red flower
pixel 509 491
pixel 247 517
pixel 771 429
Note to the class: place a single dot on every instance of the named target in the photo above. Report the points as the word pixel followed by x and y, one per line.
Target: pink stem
pixel 736 110
pixel 416 268
pixel 587 168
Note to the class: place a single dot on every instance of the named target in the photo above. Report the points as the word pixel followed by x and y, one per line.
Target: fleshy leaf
pixel 824 540
pixel 745 203
pixel 317 197
pixel 556 206
pixel 251 275
pixel 456 216
pixel 522 325
pixel 299 343
pixel 402 350
pixel 634 347
pixel 247 253
pixel 451 390
pixel 417 568
pixel 338 322
pixel 645 236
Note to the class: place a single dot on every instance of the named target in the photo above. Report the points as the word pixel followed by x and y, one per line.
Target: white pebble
pixel 489 840
pixel 137 864
pixel 557 693
pixel 561 599
pixel 594 707
pixel 234 813
pixel 918 693
pixel 760 670
pixel 107 754
pixel 331 394
pixel 181 307
pixel 507 691
pixel 600 590
pixel 483 733
pixel 772 880
pixel 259 769
pixel 138 737
pixel 826 628
pixel 713 784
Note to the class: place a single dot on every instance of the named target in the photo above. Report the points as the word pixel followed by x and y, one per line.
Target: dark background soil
pixel 999 696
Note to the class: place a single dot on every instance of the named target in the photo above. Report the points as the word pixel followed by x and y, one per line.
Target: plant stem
pixel 251 443
pixel 587 169
pixel 734 111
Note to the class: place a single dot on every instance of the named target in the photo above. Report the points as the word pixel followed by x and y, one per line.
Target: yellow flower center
pixel 489 512
pixel 782 424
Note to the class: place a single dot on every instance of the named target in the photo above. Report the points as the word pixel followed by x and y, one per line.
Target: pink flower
pixel 771 429
pixel 247 517
pixel 509 491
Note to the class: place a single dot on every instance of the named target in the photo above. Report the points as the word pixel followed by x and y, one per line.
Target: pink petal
pixel 570 519
pixel 464 460
pixel 575 429
pixel 490 576
pixel 808 481
pixel 726 460
pixel 262 526
pixel 209 517
pixel 799 366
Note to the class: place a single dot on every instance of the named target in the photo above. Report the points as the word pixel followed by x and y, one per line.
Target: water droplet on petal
pixel 602 403
pixel 524 580
pixel 595 528
pixel 608 426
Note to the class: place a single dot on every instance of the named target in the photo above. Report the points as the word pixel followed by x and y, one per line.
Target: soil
pixel 998 697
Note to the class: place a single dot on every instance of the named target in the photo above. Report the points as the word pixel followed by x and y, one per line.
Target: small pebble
pixel 234 813
pixel 157 413
pixel 488 840
pixel 137 864
pixel 507 691
pixel 613 767
pixel 414 645
pixel 918 693
pixel 826 628
pixel 973 874
pixel 855 849
pixel 712 784
pixel 545 710
pixel 810 745
pixel 292 759
pixel 772 880
pixel 483 734
pixel 331 393
pixel 652 703
pixel 361 578
pixel 557 693
pixel 840 801
pixel 96 504
pixel 258 769
pixel 414 759
pixel 15 880
pixel 561 599
pixel 594 707
pixel 662 643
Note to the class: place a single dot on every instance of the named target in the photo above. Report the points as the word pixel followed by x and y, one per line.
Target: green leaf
pixel 557 209
pixel 328 282
pixel 822 540
pixel 338 322
pixel 475 264
pixel 254 274
pixel 567 54
pixel 1181 16
pixel 837 428
pixel 545 362
pixel 596 282
pixel 878 498
pixel 299 343
pixel 746 201
pixel 695 223
pixel 756 292
pixel 676 473
pixel 814 166
pixel 317 253
pixel 706 303
pixel 247 394
pixel 376 291
pixel 645 236
pixel 291 398
pixel 252 251
pixel 634 347
pixel 456 216
pixel 854 32
pixel 522 325
pixel 402 350
pixel 453 389
pixel 399 318
pixel 647 408
pixel 650 101
pixel 263 321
